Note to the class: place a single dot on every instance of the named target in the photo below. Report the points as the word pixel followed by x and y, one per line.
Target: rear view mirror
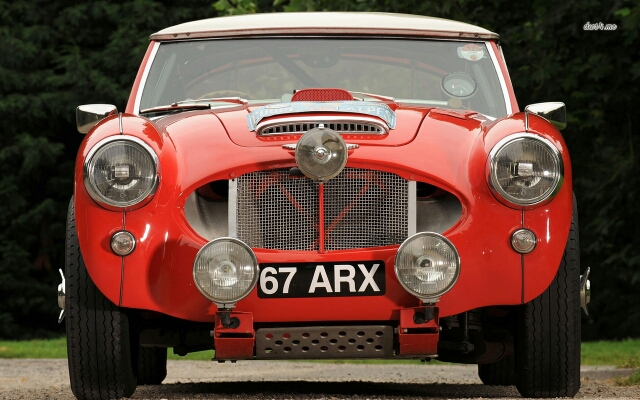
pixel 554 112
pixel 88 115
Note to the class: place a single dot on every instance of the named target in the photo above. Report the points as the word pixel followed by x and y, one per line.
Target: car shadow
pixel 317 390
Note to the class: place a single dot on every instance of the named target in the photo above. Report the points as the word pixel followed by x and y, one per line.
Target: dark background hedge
pixel 56 55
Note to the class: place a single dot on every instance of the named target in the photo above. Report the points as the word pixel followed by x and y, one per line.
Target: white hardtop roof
pixel 324 23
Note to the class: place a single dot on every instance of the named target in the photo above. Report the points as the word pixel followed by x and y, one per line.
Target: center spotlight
pixel 321 154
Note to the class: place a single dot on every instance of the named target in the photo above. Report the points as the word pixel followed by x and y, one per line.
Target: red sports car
pixel 323 186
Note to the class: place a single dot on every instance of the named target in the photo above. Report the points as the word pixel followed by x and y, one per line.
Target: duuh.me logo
pixel 599 26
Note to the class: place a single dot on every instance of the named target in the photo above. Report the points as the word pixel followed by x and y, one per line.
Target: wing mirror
pixel 88 115
pixel 554 112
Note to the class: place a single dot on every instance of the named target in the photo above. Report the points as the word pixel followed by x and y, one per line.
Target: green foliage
pixel 633 380
pixel 630 362
pixel 236 7
pixel 47 348
pixel 57 55
pixel 619 353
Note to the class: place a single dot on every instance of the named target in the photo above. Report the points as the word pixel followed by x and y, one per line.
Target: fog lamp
pixel 123 243
pixel 225 271
pixel 321 153
pixel 523 241
pixel 427 265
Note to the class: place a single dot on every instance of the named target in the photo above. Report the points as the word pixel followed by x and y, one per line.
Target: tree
pixel 57 55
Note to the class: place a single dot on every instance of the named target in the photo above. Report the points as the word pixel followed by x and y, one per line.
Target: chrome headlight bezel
pixel 431 297
pixel 227 303
pixel 512 201
pixel 110 204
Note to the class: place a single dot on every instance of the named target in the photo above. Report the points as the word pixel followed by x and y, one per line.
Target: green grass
pixel 632 380
pixel 611 353
pixel 46 348
pixel 624 354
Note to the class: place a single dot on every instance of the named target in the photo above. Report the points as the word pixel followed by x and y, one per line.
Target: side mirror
pixel 88 115
pixel 554 112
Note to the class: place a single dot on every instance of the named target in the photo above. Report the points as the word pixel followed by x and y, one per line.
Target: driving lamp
pixel 121 172
pixel 525 170
pixel 321 153
pixel 225 271
pixel 427 265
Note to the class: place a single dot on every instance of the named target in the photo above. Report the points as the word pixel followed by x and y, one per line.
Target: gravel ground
pixel 49 379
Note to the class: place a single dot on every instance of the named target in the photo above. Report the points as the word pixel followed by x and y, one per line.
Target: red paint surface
pixel 194 148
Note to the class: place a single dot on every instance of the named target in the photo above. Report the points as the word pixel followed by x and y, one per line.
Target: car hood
pixel 409 121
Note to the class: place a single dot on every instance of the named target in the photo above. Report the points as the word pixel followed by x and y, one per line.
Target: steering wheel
pixel 226 93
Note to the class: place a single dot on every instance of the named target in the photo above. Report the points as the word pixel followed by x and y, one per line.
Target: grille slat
pixel 363 208
pixel 299 128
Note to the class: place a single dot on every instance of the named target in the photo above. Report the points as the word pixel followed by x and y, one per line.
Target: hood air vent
pixel 298 127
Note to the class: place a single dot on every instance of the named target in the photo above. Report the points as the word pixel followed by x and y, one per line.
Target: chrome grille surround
pixel 300 125
pixel 362 208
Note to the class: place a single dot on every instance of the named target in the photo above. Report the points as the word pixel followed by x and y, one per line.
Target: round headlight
pixel 427 265
pixel 121 172
pixel 526 170
pixel 225 270
pixel 321 154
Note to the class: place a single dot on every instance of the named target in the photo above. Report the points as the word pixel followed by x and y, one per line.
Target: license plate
pixel 359 278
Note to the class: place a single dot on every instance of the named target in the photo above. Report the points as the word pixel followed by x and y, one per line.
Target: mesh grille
pixel 302 127
pixel 277 211
pixel 363 208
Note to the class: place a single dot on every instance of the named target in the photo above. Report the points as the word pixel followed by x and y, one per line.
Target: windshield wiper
pixel 196 104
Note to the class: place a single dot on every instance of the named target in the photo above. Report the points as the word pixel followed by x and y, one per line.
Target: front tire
pixel 501 373
pixel 98 332
pixel 547 342
pixel 152 365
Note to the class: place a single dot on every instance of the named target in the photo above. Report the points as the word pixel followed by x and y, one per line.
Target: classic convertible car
pixel 323 186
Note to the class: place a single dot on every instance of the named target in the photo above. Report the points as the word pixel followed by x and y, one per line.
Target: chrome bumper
pixel 61 296
pixel 585 290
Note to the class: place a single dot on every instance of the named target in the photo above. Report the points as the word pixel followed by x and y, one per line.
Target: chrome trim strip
pixel 382 32
pixel 233 208
pixel 262 126
pixel 503 84
pixel 412 209
pixel 97 197
pixel 120 123
pixel 292 146
pixel 361 109
pixel 143 80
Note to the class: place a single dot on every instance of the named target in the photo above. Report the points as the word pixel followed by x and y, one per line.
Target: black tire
pixel 501 373
pixel 547 342
pixel 152 365
pixel 98 335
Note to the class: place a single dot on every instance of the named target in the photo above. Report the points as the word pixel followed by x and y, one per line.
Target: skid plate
pixel 318 342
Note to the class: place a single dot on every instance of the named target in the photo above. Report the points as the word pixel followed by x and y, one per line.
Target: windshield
pixel 449 74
